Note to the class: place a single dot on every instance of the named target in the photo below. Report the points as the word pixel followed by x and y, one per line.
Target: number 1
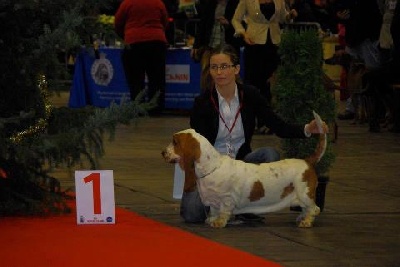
pixel 95 179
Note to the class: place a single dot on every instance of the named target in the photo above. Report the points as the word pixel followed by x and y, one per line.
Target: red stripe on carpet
pixel 133 241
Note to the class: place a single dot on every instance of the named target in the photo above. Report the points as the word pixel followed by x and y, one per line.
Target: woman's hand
pixel 292 14
pixel 223 21
pixel 247 39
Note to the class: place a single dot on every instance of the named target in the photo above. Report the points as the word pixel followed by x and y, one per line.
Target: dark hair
pixel 228 50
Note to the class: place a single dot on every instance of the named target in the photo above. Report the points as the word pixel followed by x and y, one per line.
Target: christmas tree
pixel 36 40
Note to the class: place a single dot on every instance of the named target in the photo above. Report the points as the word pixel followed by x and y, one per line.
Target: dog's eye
pixel 174 142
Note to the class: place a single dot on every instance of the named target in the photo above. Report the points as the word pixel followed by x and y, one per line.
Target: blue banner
pixel 99 82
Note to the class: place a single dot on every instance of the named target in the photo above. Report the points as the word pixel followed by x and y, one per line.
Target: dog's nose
pixel 163 153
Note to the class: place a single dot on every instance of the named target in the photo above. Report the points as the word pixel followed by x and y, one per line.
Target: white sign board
pixel 179 181
pixel 95 203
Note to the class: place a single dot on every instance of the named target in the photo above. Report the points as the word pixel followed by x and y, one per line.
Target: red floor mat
pixel 133 241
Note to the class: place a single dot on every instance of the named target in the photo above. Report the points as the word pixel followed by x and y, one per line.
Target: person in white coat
pixel 262 35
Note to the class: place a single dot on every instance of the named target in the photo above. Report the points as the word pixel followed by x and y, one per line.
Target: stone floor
pixel 359 226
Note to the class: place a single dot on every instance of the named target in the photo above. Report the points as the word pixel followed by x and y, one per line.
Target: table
pixel 99 82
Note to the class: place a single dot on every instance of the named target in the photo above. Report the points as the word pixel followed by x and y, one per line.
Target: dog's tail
pixel 319 151
pixel 322 143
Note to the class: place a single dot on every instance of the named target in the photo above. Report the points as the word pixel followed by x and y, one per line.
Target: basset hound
pixel 232 186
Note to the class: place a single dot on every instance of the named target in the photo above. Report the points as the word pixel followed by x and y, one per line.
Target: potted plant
pixel 300 90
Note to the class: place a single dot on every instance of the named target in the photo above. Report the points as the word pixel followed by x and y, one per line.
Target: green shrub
pixel 300 89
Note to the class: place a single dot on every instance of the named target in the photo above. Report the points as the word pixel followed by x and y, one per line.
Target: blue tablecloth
pixel 99 82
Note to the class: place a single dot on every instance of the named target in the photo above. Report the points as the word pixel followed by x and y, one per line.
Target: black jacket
pixel 204 117
pixel 206 9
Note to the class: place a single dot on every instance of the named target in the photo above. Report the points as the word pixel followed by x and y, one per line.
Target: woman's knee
pixel 192 210
pixel 270 154
pixel 263 155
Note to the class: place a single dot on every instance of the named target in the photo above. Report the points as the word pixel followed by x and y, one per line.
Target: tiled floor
pixel 359 226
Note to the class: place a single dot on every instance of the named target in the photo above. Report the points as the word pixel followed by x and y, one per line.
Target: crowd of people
pixel 365 29
pixel 368 54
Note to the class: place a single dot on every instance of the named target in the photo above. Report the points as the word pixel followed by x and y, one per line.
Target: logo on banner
pixel 102 70
pixel 177 73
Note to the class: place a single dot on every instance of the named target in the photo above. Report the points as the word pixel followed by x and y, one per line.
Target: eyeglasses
pixel 215 68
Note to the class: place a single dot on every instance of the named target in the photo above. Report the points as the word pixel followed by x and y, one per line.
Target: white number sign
pixel 95 203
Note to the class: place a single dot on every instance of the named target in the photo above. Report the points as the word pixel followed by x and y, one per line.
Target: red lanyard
pixel 222 118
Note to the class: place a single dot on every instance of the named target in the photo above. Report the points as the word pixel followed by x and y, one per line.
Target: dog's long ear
pixel 190 151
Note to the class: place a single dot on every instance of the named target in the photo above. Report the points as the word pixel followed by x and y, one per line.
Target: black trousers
pixel 145 59
pixel 260 62
pixel 379 91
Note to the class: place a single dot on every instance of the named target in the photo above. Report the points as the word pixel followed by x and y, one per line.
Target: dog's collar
pixel 208 173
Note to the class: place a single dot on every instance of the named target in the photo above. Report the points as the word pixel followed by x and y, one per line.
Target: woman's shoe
pixel 249 217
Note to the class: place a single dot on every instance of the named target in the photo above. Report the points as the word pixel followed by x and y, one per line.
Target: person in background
pixel 304 8
pixel 214 29
pixel 142 26
pixel 172 7
pixel 262 37
pixel 362 21
pixel 385 38
pixel 395 32
pixel 378 82
pixel 324 14
pixel 226 115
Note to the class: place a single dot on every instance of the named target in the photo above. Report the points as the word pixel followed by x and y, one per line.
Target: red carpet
pixel 133 241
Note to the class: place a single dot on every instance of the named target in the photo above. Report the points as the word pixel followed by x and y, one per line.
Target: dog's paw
pixel 219 223
pixel 305 224
pixel 210 220
pixel 307 217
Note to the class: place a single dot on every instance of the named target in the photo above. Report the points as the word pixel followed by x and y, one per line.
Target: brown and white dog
pixel 232 187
